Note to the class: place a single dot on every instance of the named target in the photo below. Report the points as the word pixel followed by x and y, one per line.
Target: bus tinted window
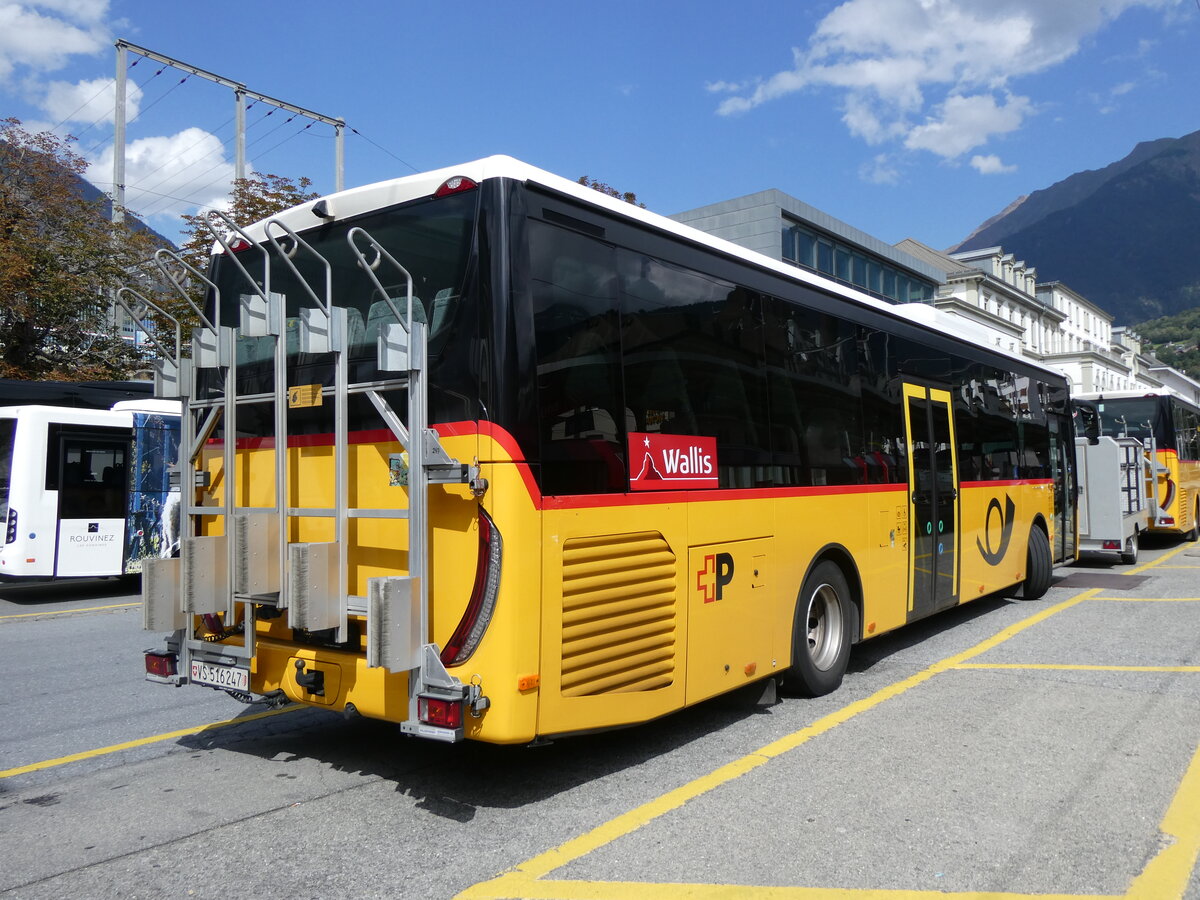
pixel 1138 417
pixel 693 362
pixel 574 287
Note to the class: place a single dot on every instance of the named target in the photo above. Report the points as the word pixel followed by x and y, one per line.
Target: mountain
pixel 1126 237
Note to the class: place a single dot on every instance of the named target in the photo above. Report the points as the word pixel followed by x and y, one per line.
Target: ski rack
pixel 398 606
pixel 252 562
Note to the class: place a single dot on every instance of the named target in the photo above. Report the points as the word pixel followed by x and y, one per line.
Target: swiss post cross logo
pixel 716 574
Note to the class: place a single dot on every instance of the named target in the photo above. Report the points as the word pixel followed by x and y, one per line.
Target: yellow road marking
pixel 141 742
pixel 523 877
pixel 62 612
pixel 1166 875
pixel 1157 562
pixel 1078 668
pixel 1150 599
pixel 633 890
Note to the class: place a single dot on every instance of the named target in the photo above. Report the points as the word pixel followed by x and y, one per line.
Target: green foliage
pixel 61 259
pixel 1175 340
pixel 627 196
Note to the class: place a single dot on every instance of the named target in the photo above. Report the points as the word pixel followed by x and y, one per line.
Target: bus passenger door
pixel 1062 471
pixel 933 499
pixel 91 480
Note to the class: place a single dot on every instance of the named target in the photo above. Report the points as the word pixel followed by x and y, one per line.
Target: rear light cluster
pixel 10 533
pixel 161 664
pixel 439 712
pixel 455 185
pixel 475 620
pixel 1112 545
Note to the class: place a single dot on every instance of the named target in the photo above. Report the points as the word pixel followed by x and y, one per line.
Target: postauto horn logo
pixel 990 556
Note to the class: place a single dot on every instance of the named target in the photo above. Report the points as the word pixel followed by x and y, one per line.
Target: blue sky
pixel 905 118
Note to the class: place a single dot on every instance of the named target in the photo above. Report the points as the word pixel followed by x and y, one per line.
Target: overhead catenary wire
pixel 393 155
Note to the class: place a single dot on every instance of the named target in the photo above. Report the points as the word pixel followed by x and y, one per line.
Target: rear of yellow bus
pixel 477 660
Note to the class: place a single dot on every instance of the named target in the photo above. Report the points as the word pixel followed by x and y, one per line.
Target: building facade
pixel 784 228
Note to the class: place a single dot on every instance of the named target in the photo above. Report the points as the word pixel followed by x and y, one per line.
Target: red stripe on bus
pixel 1007 482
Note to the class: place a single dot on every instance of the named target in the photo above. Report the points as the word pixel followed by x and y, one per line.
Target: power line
pixel 394 156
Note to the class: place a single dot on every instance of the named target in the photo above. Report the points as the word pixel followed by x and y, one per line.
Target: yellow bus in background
pixel 494 456
pixel 1174 426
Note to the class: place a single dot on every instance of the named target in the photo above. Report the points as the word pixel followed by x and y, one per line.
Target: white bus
pixel 79 496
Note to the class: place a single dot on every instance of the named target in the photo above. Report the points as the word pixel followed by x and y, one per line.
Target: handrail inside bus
pixel 371 266
pixel 160 255
pixel 287 255
pixel 142 325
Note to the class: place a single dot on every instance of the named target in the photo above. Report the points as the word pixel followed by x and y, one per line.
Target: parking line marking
pixel 523 877
pixel 1066 667
pixel 142 742
pixel 1168 873
pixel 63 612
pixel 1157 562
pixel 1165 875
pixel 1149 599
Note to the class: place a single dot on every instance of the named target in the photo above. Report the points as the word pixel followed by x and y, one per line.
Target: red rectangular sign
pixel 666 462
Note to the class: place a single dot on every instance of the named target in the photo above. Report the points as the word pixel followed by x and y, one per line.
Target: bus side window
pixel 576 332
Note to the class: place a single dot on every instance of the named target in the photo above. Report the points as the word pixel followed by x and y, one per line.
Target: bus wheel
pixel 825 617
pixel 1194 534
pixel 1130 554
pixel 1039 565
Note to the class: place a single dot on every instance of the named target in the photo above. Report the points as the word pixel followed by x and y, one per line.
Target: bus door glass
pixel 8 432
pixel 933 495
pixel 1063 473
pixel 91 505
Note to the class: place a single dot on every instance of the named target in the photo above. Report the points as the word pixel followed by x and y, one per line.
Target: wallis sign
pixel 668 462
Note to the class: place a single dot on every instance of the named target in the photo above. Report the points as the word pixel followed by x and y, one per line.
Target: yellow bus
pixel 491 455
pixel 1173 424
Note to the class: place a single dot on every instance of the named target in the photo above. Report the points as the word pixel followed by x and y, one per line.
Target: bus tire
pixel 821 637
pixel 1129 555
pixel 1194 534
pixel 1039 565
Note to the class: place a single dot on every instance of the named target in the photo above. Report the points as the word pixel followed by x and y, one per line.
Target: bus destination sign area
pixel 667 462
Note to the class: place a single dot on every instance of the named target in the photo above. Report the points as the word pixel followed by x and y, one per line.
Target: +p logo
pixel 717 572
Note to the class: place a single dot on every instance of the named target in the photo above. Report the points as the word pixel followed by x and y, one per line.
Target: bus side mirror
pixel 1091 423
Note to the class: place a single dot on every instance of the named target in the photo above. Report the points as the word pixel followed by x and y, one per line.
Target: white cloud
pixel 170 175
pixel 963 123
pixel 43 35
pixel 880 170
pixel 911 70
pixel 89 101
pixel 990 165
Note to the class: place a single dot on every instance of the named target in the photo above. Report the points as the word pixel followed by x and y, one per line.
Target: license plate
pixel 220 676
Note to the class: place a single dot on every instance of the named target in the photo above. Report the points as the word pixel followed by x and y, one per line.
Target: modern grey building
pixel 784 228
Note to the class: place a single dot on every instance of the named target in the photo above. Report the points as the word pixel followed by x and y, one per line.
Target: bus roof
pixel 360 200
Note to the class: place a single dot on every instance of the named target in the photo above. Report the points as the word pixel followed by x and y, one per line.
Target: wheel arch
pixel 844 560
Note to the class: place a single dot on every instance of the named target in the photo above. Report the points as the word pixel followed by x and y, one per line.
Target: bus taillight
pixel 440 712
pixel 10 533
pixel 455 185
pixel 475 620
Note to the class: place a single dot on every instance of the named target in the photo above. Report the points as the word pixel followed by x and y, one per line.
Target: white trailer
pixel 1114 505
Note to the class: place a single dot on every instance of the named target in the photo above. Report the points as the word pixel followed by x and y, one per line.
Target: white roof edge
pixel 359 200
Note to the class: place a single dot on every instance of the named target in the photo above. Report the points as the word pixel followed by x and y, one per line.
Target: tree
pixel 627 196
pixel 61 259
pixel 251 200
